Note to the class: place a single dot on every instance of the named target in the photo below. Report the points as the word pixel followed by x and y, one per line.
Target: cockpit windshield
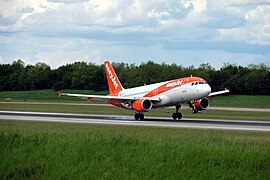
pixel 196 83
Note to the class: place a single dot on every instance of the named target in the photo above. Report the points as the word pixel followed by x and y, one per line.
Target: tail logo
pixel 111 76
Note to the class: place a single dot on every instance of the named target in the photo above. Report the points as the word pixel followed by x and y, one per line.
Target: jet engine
pixel 142 105
pixel 201 104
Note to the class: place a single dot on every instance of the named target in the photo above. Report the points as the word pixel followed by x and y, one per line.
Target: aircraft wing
pixel 106 98
pixel 218 93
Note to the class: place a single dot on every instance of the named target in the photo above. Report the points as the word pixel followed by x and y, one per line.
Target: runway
pixel 109 105
pixel 129 121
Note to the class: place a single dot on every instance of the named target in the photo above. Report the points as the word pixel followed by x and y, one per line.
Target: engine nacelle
pixel 142 105
pixel 201 104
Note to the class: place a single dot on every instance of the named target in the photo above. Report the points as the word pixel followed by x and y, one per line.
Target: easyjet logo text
pixel 111 76
pixel 175 83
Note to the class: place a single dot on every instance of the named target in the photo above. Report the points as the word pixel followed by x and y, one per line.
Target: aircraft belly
pixel 170 98
pixel 165 101
pixel 179 95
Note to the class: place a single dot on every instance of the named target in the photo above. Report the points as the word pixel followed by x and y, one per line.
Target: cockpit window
pixel 195 83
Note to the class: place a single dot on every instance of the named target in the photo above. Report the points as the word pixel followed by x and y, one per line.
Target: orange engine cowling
pixel 142 105
pixel 202 104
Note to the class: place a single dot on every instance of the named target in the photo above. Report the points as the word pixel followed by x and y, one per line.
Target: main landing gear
pixel 139 116
pixel 177 115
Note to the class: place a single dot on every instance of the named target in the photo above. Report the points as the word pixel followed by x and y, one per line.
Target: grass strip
pixel 243 101
pixel 46 95
pixel 67 151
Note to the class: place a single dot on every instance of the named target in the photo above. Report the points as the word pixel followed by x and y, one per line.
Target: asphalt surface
pixel 216 124
pixel 101 104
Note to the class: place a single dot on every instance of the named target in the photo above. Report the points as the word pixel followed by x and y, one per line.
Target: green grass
pixel 163 112
pixel 35 150
pixel 47 95
pixel 241 101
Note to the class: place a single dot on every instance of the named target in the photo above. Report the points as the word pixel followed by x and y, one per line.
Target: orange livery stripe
pixel 172 84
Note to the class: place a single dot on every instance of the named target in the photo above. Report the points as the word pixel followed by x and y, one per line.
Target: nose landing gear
pixel 139 116
pixel 177 115
pixel 192 106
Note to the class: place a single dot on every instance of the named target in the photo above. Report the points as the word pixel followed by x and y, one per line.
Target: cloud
pixel 97 13
pixel 253 30
pixel 185 57
pixel 18 11
pixel 61 57
pixel 1 60
pixel 230 47
pixel 67 1
pixel 81 29
pixel 57 52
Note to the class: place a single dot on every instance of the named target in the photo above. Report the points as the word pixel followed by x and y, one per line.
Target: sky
pixel 184 32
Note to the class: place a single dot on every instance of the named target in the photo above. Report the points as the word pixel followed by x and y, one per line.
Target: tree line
pixel 250 80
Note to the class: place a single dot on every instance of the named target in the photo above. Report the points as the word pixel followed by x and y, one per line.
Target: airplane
pixel 193 90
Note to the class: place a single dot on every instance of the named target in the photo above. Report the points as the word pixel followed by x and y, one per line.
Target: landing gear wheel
pixel 139 116
pixel 136 116
pixel 174 116
pixel 177 116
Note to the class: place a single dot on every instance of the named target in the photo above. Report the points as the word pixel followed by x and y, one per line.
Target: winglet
pixel 59 94
pixel 90 99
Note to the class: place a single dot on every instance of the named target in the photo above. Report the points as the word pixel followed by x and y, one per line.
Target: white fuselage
pixel 174 96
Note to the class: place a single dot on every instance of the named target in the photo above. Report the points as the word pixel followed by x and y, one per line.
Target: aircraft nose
pixel 203 91
pixel 208 89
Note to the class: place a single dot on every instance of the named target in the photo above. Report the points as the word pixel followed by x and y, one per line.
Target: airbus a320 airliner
pixel 193 90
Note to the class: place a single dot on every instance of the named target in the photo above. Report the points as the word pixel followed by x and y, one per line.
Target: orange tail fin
pixel 113 82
